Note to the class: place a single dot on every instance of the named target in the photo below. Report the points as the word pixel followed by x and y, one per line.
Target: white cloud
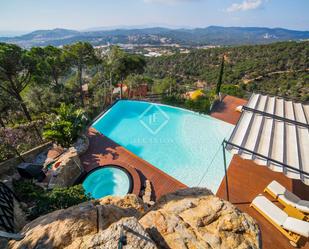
pixel 245 5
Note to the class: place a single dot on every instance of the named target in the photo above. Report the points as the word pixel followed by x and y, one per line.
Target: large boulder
pixel 59 229
pixel 129 228
pixel 147 193
pixel 194 218
pixel 131 202
pixel 189 218
pixel 68 228
pixel 108 214
pixel 68 170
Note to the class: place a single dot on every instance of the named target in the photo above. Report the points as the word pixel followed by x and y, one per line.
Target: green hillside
pixel 279 68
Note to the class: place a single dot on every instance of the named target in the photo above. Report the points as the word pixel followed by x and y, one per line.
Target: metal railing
pixel 287 98
pixel 266 158
pixel 267 114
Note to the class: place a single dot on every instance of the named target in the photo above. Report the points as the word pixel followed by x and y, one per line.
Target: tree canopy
pixel 34 82
pixel 17 68
pixel 270 68
pixel 80 55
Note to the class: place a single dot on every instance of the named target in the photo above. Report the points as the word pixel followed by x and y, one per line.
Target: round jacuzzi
pixel 108 180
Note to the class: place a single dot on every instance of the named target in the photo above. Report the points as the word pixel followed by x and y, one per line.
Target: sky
pixel 29 15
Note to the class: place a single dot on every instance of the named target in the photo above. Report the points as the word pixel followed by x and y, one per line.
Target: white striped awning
pixel 274 132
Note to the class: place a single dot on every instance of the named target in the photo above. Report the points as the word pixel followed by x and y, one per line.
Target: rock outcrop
pixel 69 228
pixel 60 228
pixel 130 202
pixel 193 218
pixel 147 193
pixel 68 171
pixel 133 234
pixel 189 218
pixel 112 209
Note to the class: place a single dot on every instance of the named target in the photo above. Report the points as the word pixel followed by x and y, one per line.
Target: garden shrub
pixel 19 139
pixel 174 100
pixel 201 104
pixel 233 90
pixel 6 152
pixel 45 201
pixel 27 191
pixel 66 126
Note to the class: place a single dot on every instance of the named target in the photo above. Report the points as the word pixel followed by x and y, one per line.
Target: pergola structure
pixel 272 132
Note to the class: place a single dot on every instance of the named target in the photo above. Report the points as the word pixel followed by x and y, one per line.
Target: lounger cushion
pixel 282 193
pixel 297 226
pixel 303 205
pixel 270 209
pixel 238 108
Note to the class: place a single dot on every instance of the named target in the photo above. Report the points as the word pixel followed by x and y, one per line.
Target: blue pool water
pixel 107 181
pixel 183 144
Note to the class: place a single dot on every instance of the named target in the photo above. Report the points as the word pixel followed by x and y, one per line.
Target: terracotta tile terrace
pixel 225 110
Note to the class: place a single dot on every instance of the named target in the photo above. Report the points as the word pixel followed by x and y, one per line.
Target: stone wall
pixel 8 167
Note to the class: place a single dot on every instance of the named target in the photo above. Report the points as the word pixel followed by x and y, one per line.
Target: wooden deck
pixel 103 151
pixel 247 180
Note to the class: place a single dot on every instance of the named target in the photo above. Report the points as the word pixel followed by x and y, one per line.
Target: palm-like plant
pixel 66 126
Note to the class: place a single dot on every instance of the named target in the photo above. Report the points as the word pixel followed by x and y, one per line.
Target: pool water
pixel 107 181
pixel 183 144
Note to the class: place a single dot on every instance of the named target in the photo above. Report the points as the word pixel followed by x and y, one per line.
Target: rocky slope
pixel 192 218
pixel 189 218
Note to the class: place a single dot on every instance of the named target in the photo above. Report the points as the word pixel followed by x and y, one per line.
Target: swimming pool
pixel 108 180
pixel 183 144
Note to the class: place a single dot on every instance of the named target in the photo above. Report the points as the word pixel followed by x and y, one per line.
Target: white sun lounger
pixel 290 227
pixel 286 197
pixel 238 108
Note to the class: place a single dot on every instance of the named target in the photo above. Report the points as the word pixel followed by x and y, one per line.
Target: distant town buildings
pixel 149 50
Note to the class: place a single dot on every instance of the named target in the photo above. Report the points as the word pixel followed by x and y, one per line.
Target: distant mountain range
pixel 212 35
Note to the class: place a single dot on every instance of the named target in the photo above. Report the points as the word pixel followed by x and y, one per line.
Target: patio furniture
pixel 31 170
pixel 290 227
pixel 273 132
pixel 238 108
pixel 287 198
